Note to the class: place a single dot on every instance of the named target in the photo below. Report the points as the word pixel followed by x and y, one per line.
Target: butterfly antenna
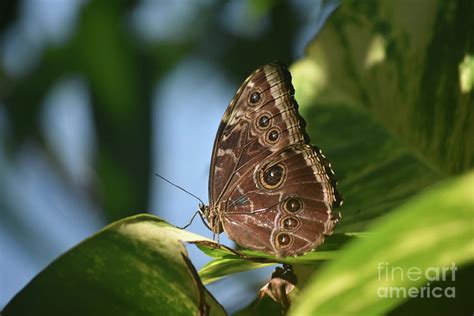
pixel 177 186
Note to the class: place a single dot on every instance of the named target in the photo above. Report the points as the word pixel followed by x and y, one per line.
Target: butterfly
pixel 269 189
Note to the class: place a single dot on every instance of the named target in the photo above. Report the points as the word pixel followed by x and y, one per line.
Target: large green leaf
pixel 385 95
pixel 136 266
pixel 403 63
pixel 382 95
pixel 432 231
pixel 376 171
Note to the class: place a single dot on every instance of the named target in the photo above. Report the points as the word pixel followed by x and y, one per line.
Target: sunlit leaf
pixel 429 232
pixel 136 266
pixel 382 97
pixel 217 269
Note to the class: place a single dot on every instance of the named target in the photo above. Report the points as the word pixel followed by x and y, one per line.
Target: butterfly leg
pixel 191 221
pixel 216 234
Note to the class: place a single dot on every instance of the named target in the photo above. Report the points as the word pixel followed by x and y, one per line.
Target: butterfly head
pixel 203 210
pixel 209 215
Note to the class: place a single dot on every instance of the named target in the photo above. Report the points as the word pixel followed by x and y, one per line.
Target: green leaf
pixel 388 99
pixel 376 171
pixel 433 230
pixel 217 269
pixel 383 97
pixel 404 69
pixel 136 266
pixel 228 262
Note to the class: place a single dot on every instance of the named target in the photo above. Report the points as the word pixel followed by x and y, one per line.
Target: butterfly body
pixel 269 190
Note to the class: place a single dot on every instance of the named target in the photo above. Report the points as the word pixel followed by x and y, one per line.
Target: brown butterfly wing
pixel 250 124
pixel 283 206
pixel 262 129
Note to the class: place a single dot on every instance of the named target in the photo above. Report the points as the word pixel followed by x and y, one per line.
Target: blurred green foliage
pixel 120 70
